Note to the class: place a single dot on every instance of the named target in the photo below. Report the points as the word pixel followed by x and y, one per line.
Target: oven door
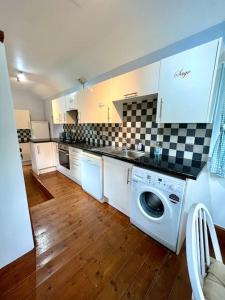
pixel 64 159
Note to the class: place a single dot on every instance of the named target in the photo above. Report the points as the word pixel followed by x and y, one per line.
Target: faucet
pixel 125 147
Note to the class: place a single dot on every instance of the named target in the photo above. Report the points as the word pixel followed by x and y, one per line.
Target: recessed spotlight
pixel 20 76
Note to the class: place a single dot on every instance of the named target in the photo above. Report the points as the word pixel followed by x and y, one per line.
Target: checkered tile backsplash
pixel 181 140
pixel 23 135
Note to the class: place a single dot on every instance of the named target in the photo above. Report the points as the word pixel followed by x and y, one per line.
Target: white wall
pixel 15 228
pixel 25 99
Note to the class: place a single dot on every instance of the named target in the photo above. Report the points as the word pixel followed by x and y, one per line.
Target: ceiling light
pixel 20 76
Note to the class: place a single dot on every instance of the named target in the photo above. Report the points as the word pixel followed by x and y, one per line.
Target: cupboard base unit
pixel 43 157
pixel 117 183
pixel 75 164
pixel 25 153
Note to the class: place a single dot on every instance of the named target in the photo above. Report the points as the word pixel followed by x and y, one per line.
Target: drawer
pixel 75 161
pixel 75 150
pixel 75 172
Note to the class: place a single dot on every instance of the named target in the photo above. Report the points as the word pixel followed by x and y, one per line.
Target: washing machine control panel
pixel 174 186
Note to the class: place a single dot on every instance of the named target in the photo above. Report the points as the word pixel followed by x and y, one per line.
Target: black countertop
pixel 170 165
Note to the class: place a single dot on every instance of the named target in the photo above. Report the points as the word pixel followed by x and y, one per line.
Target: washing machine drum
pixel 152 204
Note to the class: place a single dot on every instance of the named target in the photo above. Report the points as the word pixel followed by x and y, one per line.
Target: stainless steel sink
pixel 132 154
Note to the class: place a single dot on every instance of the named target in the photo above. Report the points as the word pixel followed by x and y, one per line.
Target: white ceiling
pixel 57 41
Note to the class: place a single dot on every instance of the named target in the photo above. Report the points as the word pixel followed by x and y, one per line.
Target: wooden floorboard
pixel 88 250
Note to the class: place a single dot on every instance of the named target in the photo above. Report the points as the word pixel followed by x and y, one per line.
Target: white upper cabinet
pixel 95 104
pixel 71 102
pixel 59 111
pixel 22 118
pixel 186 85
pixel 140 82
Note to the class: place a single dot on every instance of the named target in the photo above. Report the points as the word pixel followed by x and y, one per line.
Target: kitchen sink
pixel 132 154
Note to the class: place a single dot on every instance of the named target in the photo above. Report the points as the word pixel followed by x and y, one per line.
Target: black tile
pixel 153 137
pixel 206 149
pixel 184 125
pixel 199 141
pixel 165 152
pixel 160 131
pixel 181 139
pixel 173 146
pixel 201 126
pixel 166 138
pixel 180 154
pixel 197 156
pixel 189 148
pixel 190 132
pixel 167 125
pixel 174 131
pixel 208 132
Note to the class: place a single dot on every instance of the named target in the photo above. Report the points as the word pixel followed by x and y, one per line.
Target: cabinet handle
pixel 38 149
pixel 130 95
pixel 108 113
pixel 160 111
pixel 128 176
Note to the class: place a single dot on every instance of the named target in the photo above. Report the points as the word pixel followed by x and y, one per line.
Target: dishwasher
pixel 91 175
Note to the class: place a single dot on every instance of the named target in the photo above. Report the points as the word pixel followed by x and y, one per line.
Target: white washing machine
pixel 156 205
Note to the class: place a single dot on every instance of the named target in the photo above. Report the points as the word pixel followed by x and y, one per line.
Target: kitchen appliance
pixel 39 130
pixel 91 175
pixel 156 205
pixel 64 156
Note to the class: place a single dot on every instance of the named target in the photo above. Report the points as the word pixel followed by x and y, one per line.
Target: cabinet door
pixel 140 82
pixel 25 147
pixel 45 155
pixel 57 111
pixel 185 85
pixel 117 177
pixel 71 101
pixel 22 118
pixel 84 111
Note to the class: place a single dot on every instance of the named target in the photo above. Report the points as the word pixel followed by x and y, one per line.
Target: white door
pixel 140 82
pixel 57 111
pixel 45 155
pixel 186 84
pixel 117 188
pixel 25 147
pixel 22 118
pixel 71 101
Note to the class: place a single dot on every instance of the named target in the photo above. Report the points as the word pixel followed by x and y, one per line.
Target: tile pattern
pixel 189 141
pixel 24 135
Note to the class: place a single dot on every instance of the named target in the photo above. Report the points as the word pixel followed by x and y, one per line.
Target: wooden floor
pixel 34 194
pixel 88 250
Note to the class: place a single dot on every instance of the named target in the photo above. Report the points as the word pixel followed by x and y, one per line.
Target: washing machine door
pixel 154 205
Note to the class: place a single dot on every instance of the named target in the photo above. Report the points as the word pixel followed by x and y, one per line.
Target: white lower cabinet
pixel 75 167
pixel 43 156
pixel 25 151
pixel 117 183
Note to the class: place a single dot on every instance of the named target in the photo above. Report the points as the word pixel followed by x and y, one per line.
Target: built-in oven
pixel 64 156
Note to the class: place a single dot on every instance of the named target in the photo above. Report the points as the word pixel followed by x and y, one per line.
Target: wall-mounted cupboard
pixel 183 84
pixel 186 85
pixel 95 105
pixel 62 109
pixel 22 118
pixel 140 82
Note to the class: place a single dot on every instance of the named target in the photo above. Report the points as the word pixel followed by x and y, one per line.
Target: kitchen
pixel 112 168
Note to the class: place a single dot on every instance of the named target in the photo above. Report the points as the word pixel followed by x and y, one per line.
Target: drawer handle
pixel 130 95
